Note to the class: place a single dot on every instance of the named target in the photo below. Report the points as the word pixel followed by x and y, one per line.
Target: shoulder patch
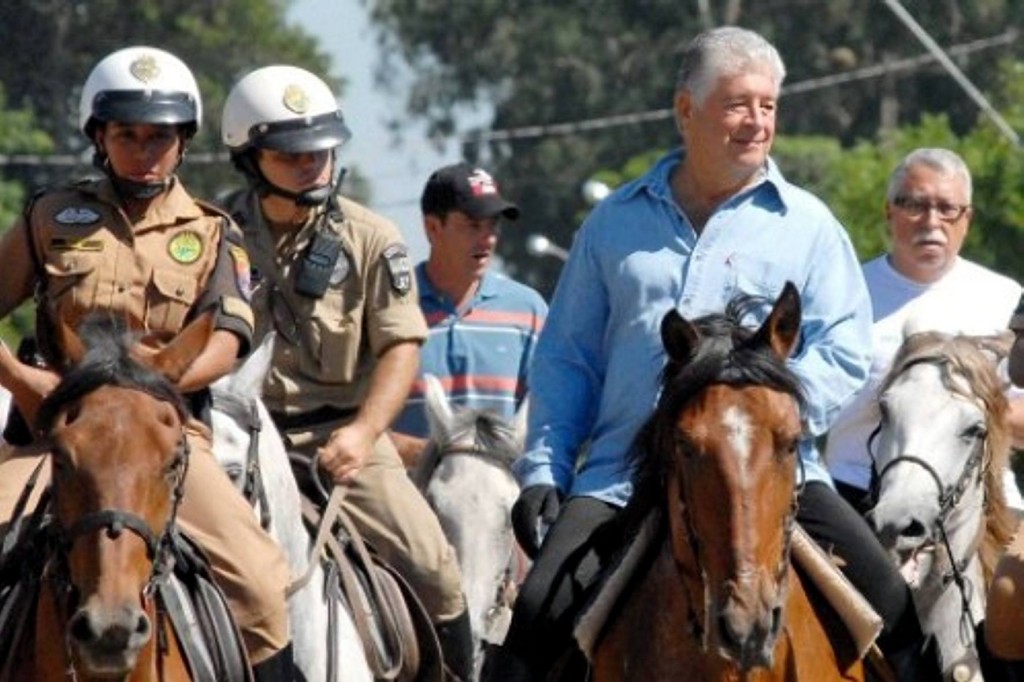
pixel 243 270
pixel 74 215
pixel 396 257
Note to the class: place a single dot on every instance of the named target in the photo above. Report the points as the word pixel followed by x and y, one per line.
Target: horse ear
pixel 439 410
pixel 247 379
pixel 174 358
pixel 70 343
pixel 679 337
pixel 781 330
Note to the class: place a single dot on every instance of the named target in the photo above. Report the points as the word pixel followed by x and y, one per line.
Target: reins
pixel 949 499
pixel 245 413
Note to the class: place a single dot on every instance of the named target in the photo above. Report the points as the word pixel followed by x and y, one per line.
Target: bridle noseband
pixel 114 522
pixel 949 498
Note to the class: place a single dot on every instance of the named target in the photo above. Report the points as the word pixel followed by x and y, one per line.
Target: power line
pixel 801 87
pixel 586 125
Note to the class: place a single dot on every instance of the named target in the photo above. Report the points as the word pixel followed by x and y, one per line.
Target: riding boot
pixel 456 639
pixel 278 668
pixel 502 665
pixel 918 662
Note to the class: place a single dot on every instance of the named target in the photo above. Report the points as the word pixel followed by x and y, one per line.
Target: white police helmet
pixel 283 108
pixel 140 85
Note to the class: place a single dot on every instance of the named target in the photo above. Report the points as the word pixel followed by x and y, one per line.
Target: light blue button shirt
pixel 594 378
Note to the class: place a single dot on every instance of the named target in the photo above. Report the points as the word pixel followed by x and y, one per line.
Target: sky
pixel 396 175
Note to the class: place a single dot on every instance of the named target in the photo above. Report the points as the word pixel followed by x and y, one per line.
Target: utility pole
pixel 903 15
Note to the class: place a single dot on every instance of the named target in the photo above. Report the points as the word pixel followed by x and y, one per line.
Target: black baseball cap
pixel 462 187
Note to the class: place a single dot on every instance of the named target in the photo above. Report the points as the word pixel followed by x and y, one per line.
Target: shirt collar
pixel 657 182
pixel 488 286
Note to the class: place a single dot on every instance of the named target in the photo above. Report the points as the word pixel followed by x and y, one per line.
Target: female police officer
pixel 135 245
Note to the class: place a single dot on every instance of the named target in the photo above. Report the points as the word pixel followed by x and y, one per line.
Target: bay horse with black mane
pixel 715 596
pixel 115 428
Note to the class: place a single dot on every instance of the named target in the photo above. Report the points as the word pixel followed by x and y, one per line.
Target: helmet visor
pixel 141 106
pixel 302 134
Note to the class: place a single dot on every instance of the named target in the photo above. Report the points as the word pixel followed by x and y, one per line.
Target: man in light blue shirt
pixel 706 223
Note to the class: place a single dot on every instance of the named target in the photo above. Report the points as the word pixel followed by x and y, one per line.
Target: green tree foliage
pixel 542 63
pixel 50 46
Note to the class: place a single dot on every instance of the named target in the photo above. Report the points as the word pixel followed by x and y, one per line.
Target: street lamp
pixel 594 191
pixel 539 245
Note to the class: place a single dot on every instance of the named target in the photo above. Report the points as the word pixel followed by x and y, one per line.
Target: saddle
pixel 186 594
pixel 393 625
pixel 862 622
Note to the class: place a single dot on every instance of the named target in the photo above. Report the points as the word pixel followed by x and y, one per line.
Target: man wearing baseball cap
pixel 483 325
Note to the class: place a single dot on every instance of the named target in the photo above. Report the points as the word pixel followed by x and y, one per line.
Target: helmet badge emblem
pixel 295 99
pixel 145 68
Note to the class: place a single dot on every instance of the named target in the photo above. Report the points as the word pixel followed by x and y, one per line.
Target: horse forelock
pixel 724 356
pixel 107 362
pixel 483 430
pixel 966 371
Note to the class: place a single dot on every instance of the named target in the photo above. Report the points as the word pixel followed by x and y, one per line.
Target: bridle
pixel 114 521
pixel 696 624
pixel 246 413
pixel 972 475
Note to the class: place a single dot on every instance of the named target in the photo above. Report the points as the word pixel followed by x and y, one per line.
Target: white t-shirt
pixel 969 299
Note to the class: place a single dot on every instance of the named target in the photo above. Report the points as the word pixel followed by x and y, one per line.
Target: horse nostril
pixel 142 626
pixel 81 629
pixel 914 529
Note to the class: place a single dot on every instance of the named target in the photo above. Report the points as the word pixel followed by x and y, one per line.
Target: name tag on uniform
pixel 64 244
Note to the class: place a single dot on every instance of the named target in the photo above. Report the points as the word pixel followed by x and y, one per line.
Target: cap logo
pixel 145 68
pixel 481 183
pixel 295 99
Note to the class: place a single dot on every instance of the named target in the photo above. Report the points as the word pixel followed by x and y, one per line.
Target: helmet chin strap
pixel 315 196
pixel 134 189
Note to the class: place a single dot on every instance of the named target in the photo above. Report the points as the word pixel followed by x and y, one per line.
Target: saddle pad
pixel 860 619
pixel 592 619
pixel 201 619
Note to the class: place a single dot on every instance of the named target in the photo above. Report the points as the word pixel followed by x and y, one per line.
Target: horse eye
pixel 976 431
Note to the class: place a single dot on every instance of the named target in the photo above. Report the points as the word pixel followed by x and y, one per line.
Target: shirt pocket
pixel 71 283
pixel 758 277
pixel 169 299
pixel 334 333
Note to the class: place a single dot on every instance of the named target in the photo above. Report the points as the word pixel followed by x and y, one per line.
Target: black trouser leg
pixel 574 552
pixel 841 531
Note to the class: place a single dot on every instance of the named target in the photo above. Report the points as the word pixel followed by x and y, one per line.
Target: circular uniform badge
pixel 185 247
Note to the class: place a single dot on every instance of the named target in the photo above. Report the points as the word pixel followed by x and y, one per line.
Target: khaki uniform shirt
pixel 77 248
pixel 327 348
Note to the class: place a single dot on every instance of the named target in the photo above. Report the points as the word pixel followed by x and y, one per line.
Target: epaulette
pixel 212 208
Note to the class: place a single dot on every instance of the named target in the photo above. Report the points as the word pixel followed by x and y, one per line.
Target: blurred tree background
pixel 574 89
pixel 860 91
pixel 50 46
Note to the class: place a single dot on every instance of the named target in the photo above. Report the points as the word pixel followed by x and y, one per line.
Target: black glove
pixel 532 514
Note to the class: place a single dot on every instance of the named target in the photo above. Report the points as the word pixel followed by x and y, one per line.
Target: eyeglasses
pixel 917 208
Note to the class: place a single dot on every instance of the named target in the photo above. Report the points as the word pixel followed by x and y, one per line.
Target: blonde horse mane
pixel 974 360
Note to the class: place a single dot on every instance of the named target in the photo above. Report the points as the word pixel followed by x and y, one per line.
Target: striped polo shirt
pixel 480 353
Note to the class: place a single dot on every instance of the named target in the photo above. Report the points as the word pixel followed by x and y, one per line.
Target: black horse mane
pixel 107 362
pixel 722 356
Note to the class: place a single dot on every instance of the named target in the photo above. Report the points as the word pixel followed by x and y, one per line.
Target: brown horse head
pixel 115 425
pixel 720 455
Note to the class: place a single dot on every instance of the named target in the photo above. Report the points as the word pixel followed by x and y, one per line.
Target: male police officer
pixel 335 282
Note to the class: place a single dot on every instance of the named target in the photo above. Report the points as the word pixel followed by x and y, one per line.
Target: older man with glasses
pixel 921 283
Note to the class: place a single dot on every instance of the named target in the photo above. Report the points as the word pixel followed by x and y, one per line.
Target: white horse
pixel 465 474
pixel 939 460
pixel 237 412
